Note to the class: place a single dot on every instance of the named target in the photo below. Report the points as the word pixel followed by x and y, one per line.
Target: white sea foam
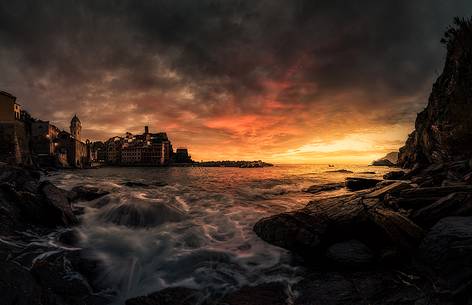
pixel 194 232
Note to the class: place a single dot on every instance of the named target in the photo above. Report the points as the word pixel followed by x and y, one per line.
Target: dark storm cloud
pixel 202 61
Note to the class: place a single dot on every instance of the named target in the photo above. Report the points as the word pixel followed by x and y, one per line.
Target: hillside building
pixel 25 140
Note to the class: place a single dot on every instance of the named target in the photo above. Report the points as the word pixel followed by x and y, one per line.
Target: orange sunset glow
pixel 324 86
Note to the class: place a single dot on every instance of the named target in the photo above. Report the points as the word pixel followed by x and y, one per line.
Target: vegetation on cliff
pixel 443 130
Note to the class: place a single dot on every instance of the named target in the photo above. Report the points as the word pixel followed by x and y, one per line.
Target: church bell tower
pixel 76 128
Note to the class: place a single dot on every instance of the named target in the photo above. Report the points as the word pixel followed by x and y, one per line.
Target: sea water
pixel 192 226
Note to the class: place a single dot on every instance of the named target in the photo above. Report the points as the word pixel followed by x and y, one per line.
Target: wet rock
pixel 311 230
pixel 20 178
pixel 374 288
pixel 57 199
pixel 18 286
pixel 55 271
pixel 340 171
pixel 395 175
pixel 391 188
pixel 296 231
pixel 446 255
pixel 399 231
pixel 86 193
pixel 318 188
pixel 264 294
pixel 351 254
pixel 440 191
pixel 48 208
pixel 139 213
pixel 11 218
pixel 392 288
pixel 159 183
pixel 99 299
pixel 327 289
pixel 69 237
pixel 411 204
pixel 456 204
pixel 169 296
pixel 135 184
pixel 356 184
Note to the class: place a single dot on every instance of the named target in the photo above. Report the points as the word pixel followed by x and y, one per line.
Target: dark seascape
pixel 192 227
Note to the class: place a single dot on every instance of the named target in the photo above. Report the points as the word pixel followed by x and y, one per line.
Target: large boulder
pixel 86 193
pixel 455 204
pixel 327 289
pixel 318 188
pixel 49 207
pixel 394 175
pixel 56 272
pixel 21 179
pixel 356 184
pixel 57 202
pixel 265 294
pixel 445 255
pixel 18 286
pixel 310 231
pixel 351 254
pixel 374 288
pixel 169 296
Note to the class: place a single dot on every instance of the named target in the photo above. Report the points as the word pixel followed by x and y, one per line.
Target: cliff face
pixel 443 130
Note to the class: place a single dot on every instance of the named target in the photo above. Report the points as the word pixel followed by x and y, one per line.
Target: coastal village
pixel 27 140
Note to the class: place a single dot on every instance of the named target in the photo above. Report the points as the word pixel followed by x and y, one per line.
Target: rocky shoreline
pixel 415 232
pixel 41 262
pixel 406 239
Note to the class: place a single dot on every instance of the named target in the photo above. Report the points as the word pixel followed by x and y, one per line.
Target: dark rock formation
pixel 35 272
pixel 57 203
pixel 446 255
pixel 341 171
pixel 135 184
pixel 86 193
pixel 375 288
pixel 455 204
pixel 141 213
pixel 264 294
pixel 322 223
pixel 169 296
pixel 443 130
pixel 395 175
pixel 318 188
pixel 350 254
pixel 55 273
pixel 17 285
pixel 356 184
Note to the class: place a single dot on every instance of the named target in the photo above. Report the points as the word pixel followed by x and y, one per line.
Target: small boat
pixel 330 165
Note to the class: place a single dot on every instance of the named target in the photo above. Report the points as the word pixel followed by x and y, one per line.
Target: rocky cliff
pixel 443 130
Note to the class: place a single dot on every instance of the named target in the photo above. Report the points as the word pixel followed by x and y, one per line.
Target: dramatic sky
pixel 301 81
